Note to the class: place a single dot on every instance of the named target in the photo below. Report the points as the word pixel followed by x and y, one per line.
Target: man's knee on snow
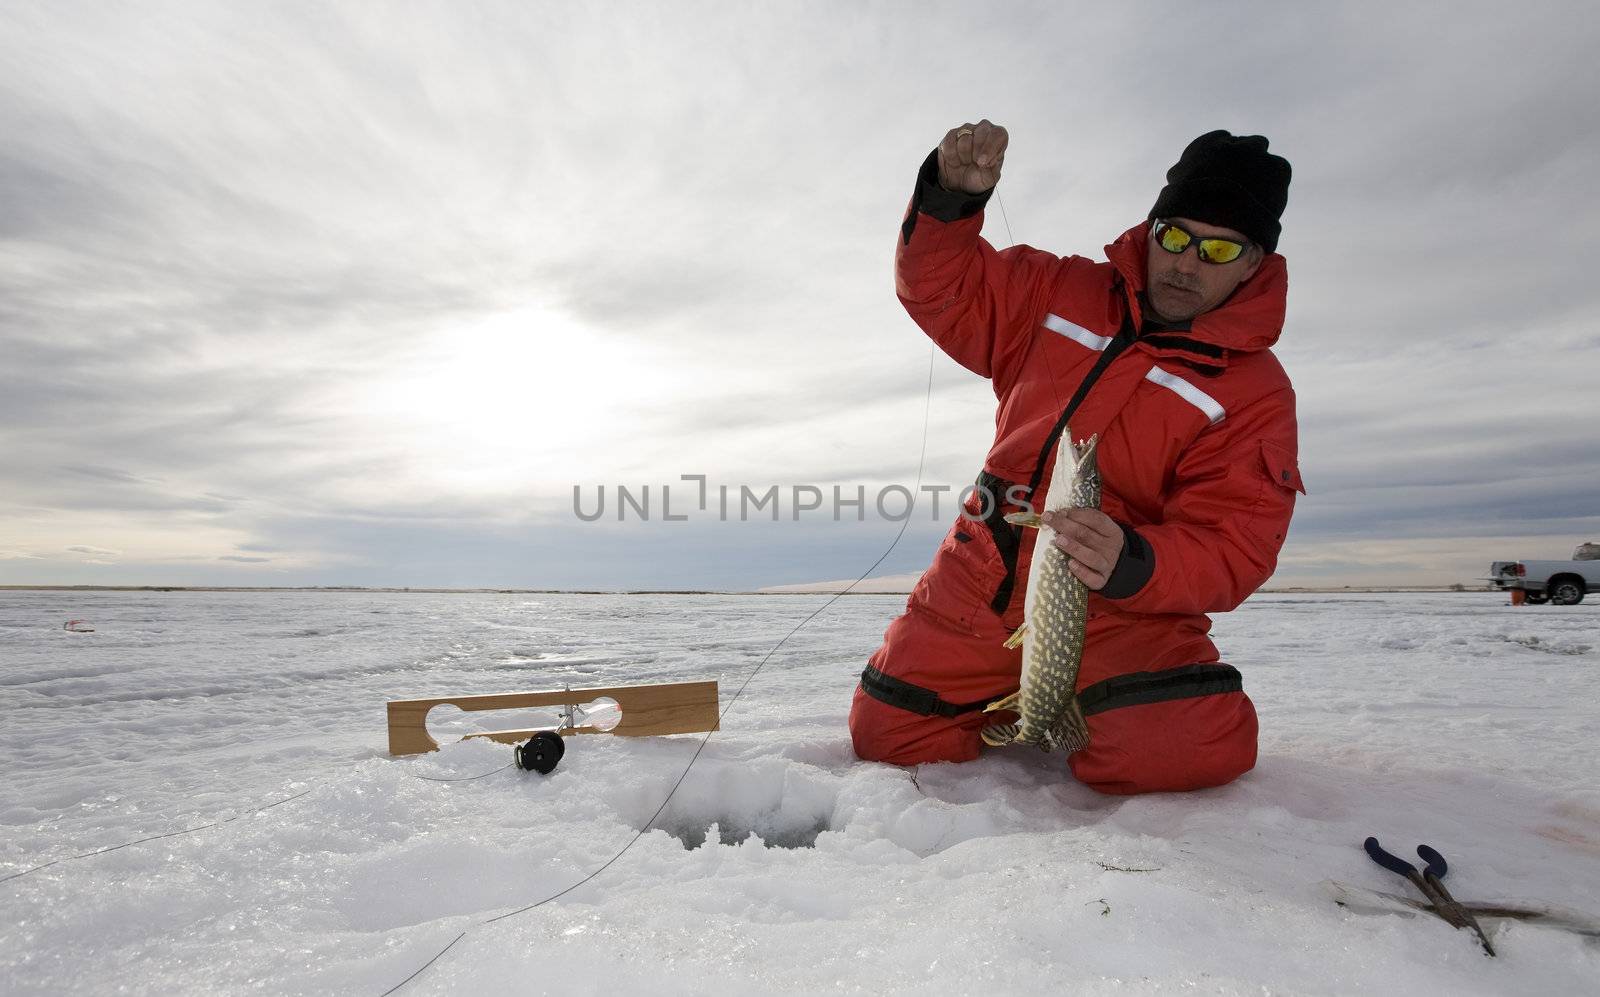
pixel 883 733
pixel 1171 746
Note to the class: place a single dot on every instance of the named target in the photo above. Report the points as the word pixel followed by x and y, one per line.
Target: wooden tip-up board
pixel 665 708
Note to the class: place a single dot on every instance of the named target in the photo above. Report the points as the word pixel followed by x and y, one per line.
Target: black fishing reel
pixel 541 753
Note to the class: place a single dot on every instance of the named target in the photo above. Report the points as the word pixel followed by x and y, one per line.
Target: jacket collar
pixel 1250 320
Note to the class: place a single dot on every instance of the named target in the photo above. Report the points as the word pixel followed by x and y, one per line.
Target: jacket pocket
pixel 1269 514
pixel 963 577
pixel 1281 466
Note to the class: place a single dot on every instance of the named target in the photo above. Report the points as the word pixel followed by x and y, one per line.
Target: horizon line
pixel 771 590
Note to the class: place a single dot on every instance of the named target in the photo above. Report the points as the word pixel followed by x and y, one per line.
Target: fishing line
pixel 153 837
pixel 218 823
pixel 922 457
pixel 1011 239
pixel 465 778
pixel 1045 354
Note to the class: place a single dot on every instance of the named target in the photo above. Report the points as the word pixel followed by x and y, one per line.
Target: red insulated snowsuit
pixel 1197 452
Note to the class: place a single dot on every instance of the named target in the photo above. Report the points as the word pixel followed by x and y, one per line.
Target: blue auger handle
pixel 1393 863
pixel 1436 863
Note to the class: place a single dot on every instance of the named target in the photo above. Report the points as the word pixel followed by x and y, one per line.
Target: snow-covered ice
pixel 782 864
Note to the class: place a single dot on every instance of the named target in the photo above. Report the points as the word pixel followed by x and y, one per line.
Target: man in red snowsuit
pixel 1164 351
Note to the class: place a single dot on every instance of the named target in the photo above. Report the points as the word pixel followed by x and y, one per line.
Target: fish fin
pixel 997 735
pixel 1071 731
pixel 1015 640
pixel 1024 519
pixel 1008 703
pixel 1000 735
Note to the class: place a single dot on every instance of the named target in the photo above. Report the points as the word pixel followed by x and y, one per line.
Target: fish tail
pixel 1071 732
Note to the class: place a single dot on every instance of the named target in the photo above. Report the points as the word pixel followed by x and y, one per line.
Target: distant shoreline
pixel 499 591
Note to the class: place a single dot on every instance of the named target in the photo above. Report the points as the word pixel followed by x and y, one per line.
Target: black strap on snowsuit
pixel 1139 688
pixel 916 699
pixel 1133 689
pixel 1008 538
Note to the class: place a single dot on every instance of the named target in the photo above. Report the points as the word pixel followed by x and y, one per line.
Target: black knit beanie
pixel 1231 181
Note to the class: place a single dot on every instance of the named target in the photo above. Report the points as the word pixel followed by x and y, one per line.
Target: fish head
pixel 1076 469
pixel 1084 453
pixel 1079 458
pixel 1082 462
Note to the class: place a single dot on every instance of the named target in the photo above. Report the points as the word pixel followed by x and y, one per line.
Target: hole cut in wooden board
pixel 662 708
pixel 448 722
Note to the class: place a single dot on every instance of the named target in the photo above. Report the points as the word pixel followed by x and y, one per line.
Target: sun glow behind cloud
pixel 520 400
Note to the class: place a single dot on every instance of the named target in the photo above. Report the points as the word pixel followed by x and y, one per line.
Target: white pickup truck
pixel 1563 583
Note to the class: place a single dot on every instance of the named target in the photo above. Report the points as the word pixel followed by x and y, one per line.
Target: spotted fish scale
pixel 1053 618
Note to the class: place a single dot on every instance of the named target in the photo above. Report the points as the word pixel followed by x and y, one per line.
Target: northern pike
pixel 1053 617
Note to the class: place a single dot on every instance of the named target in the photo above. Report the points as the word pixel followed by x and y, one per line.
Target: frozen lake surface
pixel 782 864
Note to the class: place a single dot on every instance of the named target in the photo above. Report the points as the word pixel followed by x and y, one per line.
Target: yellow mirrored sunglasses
pixel 1176 240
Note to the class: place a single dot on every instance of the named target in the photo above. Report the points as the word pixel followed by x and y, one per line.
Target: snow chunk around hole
pixel 770 801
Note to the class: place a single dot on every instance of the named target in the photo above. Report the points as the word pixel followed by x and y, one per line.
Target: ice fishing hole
pixel 726 802
pixel 731 831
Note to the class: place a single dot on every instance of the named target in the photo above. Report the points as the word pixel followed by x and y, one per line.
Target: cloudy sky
pixel 359 293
